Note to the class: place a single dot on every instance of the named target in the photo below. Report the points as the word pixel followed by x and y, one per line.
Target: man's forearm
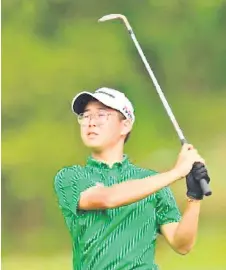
pixel 185 234
pixel 134 190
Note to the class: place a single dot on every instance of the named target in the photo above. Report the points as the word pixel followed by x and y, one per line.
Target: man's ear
pixel 127 126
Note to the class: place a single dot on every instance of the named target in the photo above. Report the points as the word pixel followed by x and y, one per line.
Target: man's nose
pixel 92 121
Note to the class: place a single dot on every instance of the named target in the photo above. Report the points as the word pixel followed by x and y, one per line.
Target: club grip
pixel 203 183
pixel 205 187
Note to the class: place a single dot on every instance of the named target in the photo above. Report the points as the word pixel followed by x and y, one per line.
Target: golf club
pixel 203 183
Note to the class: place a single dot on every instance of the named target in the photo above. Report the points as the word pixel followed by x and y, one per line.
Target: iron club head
pixel 111 17
pixel 116 16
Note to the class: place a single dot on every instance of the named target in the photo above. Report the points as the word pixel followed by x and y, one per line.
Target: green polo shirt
pixel 121 238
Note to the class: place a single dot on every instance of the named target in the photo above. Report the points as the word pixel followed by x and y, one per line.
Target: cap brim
pixel 80 101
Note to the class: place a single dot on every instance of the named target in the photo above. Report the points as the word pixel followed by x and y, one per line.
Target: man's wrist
pixel 192 200
pixel 176 175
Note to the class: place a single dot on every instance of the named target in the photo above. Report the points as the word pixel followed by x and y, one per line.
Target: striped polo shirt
pixel 121 238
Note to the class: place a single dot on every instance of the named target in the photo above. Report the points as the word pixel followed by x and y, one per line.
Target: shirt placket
pixel 113 176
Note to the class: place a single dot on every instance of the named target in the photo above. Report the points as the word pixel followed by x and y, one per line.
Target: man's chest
pixel 114 176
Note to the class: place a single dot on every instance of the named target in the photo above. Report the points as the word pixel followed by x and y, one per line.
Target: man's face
pixel 102 127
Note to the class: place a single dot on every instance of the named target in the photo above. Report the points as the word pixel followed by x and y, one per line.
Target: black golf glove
pixel 197 173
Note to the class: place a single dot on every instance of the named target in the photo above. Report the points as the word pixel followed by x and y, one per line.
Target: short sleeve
pixel 68 188
pixel 166 208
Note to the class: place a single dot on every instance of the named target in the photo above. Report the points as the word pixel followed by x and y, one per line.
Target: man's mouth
pixel 91 133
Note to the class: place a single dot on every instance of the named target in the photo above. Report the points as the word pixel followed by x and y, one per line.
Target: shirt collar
pixel 102 165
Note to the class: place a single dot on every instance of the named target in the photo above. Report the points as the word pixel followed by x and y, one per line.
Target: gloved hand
pixel 197 173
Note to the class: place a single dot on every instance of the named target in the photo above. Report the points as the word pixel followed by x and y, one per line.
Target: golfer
pixel 114 210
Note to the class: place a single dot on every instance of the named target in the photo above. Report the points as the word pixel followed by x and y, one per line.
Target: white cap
pixel 109 97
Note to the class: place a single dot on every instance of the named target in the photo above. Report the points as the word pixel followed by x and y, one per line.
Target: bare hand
pixel 186 158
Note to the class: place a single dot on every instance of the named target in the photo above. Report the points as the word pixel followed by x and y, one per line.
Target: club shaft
pixel 158 89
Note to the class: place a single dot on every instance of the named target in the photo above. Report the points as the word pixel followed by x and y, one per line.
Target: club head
pixel 111 17
pixel 116 16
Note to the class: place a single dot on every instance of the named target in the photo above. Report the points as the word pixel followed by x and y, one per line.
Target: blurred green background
pixel 51 50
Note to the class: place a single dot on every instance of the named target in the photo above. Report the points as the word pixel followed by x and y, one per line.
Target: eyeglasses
pixel 101 117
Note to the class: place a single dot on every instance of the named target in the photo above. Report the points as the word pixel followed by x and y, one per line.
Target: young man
pixel 113 209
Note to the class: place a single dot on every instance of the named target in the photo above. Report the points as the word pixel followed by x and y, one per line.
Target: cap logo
pixel 127 111
pixel 106 93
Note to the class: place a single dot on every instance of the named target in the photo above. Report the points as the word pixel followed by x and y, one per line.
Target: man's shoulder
pixel 72 169
pixel 67 174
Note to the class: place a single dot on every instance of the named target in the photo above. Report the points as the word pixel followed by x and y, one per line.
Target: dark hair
pixel 127 137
